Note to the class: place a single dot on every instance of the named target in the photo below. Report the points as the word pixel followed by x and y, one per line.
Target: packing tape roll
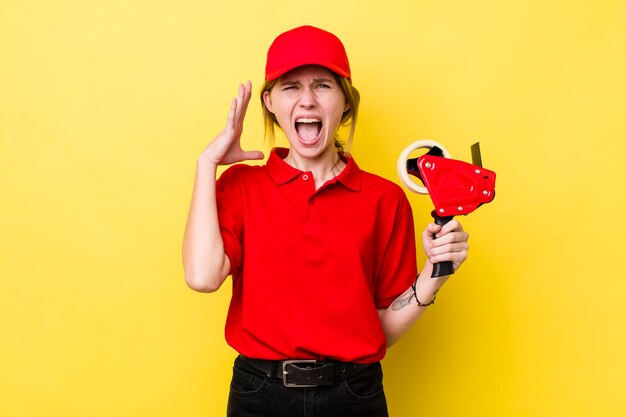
pixel 404 156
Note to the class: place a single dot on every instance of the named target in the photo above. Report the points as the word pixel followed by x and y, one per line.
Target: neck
pixel 324 168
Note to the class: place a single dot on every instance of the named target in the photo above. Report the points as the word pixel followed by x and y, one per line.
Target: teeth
pixel 307 120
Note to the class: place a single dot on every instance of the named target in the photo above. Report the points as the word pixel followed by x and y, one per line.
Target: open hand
pixel 226 149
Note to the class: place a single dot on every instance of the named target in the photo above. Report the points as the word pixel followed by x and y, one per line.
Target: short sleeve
pixel 399 264
pixel 230 214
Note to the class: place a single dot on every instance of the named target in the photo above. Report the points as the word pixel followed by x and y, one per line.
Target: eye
pixel 323 85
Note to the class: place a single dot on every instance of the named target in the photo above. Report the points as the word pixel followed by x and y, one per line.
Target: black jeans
pixel 254 394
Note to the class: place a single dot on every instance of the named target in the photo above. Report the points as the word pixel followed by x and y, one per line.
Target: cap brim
pixel 277 73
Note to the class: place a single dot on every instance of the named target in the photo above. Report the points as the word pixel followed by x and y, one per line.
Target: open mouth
pixel 308 128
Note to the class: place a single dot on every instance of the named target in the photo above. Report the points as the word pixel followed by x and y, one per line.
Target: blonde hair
pixel 348 118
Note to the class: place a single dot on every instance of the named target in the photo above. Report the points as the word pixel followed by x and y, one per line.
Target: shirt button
pixel 305 177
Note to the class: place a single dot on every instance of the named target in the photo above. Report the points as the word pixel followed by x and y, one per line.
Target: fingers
pixel 452 226
pixel 447 238
pixel 448 248
pixel 457 258
pixel 251 155
pixel 239 105
pixel 446 243
pixel 247 95
pixel 230 120
pixel 431 231
pixel 454 251
pixel 225 148
pixel 238 108
pixel 243 98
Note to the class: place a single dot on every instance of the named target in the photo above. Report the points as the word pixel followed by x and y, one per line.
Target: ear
pixel 267 99
pixel 346 108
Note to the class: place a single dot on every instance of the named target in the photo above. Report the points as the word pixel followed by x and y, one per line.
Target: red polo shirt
pixel 310 268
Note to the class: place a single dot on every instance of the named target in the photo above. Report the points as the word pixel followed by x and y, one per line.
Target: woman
pixel 322 254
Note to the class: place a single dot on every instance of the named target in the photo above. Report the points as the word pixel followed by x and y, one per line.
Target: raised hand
pixel 226 148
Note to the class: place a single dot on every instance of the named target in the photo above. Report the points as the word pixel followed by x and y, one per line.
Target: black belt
pixel 307 373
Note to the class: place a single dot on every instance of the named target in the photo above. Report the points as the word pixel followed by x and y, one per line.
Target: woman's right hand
pixel 225 149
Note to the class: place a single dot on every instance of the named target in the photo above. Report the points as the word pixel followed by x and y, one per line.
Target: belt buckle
pixel 293 362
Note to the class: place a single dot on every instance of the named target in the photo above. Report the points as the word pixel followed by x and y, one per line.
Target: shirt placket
pixel 310 198
pixel 308 195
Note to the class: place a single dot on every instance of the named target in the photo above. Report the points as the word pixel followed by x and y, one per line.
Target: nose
pixel 307 99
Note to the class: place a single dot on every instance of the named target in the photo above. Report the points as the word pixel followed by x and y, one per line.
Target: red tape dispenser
pixel 455 187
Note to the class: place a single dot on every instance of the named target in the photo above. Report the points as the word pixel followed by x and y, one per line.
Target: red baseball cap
pixel 306 45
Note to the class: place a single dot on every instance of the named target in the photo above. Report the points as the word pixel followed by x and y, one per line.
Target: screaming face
pixel 308 105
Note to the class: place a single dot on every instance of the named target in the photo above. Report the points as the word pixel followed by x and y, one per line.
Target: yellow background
pixel 105 105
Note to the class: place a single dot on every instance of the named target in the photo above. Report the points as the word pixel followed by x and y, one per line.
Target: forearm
pixel 402 314
pixel 206 265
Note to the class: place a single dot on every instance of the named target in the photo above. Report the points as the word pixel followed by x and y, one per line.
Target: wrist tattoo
pixel 405 299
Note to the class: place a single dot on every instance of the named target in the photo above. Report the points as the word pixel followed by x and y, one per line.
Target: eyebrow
pixel 315 80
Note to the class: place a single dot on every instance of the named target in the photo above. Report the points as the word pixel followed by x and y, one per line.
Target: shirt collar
pixel 282 172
